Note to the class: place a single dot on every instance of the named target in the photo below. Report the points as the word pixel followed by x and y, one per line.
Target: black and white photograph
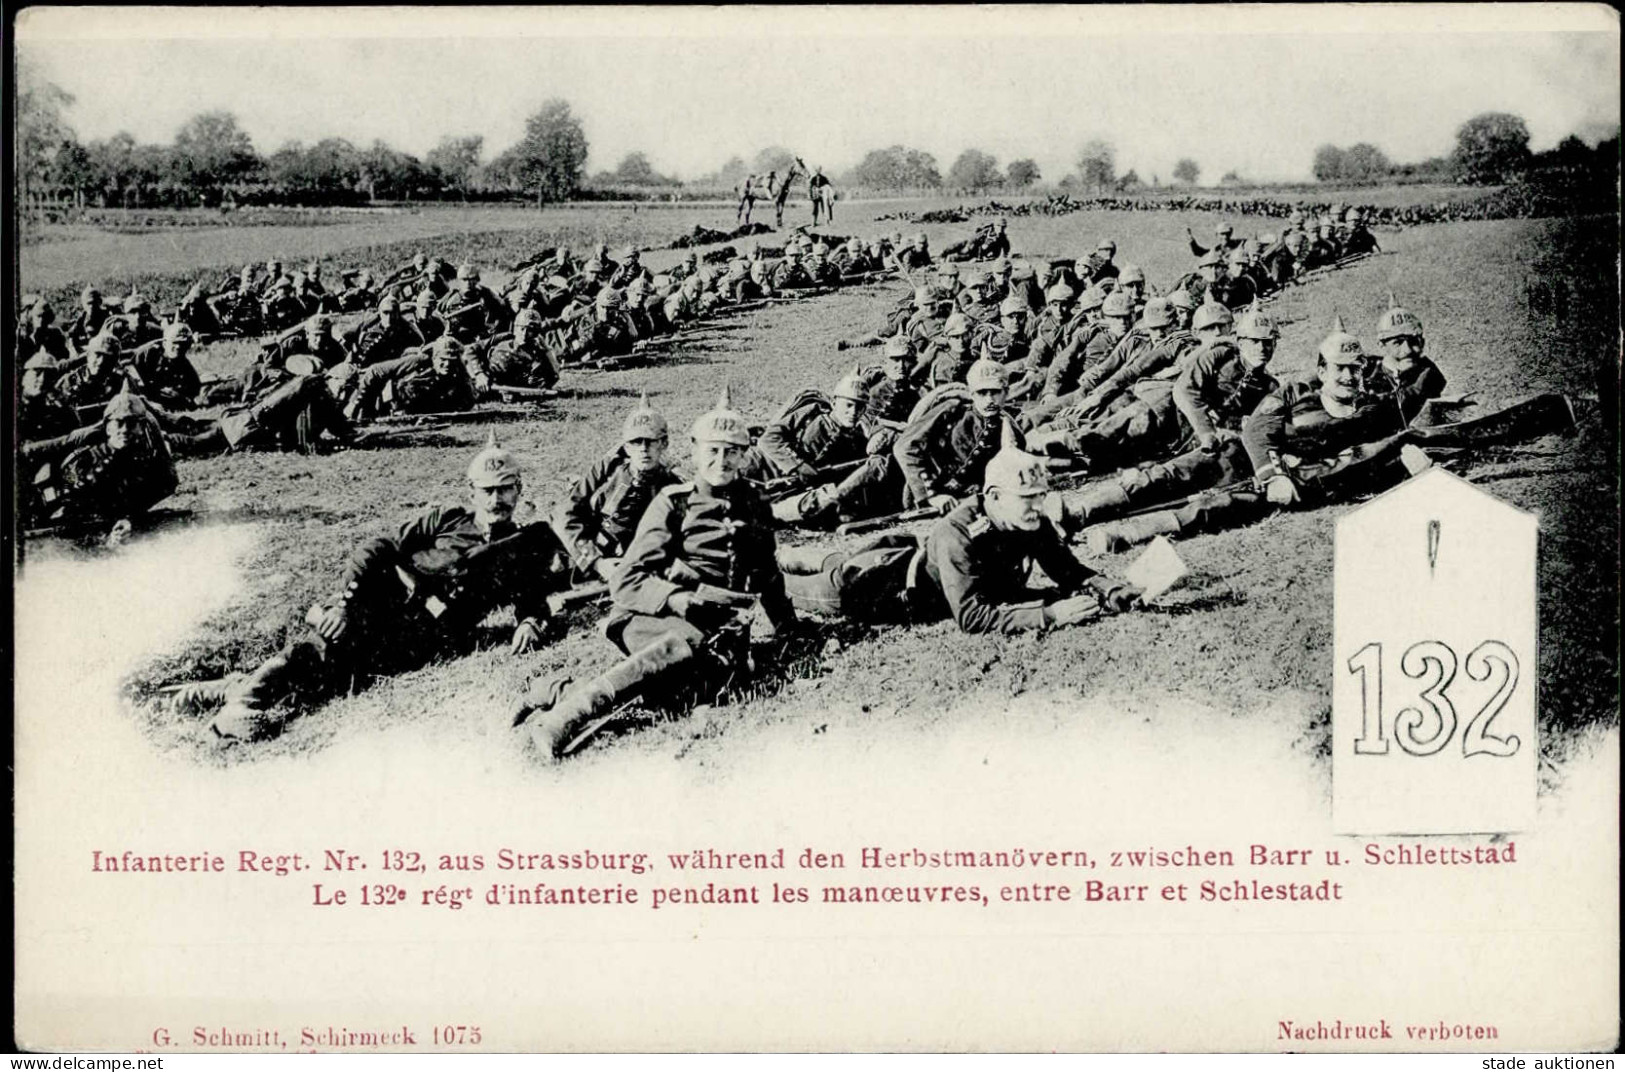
pixel 779 529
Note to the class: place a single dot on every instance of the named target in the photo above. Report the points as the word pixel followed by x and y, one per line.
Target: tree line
pixel 213 162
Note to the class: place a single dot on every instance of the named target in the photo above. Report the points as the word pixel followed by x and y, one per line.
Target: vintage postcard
pixel 770 529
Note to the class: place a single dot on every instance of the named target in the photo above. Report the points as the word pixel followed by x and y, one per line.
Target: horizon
pixel 882 77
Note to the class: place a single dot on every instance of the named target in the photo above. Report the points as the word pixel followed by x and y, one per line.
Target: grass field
pixel 1250 637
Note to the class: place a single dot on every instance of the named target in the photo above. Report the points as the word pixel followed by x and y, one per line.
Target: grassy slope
pixel 1251 636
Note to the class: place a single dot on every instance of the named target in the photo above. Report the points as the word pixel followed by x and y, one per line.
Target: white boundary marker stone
pixel 1435 667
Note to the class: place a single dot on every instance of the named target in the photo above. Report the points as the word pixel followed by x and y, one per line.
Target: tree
pixel 548 160
pixel 731 172
pixel 1490 147
pixel 1364 162
pixel 1187 171
pixel 1329 164
pixel 1129 182
pixel 1022 173
pixel 41 130
pixel 213 152
pixel 774 158
pixel 895 168
pixel 392 175
pixel 456 161
pixel 1230 178
pixel 974 170
pixel 1097 164
pixel 635 170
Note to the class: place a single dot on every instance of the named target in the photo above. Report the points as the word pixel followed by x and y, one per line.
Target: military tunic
pixel 599 514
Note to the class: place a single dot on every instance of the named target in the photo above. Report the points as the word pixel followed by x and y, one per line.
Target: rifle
pixel 886 521
pixel 1542 415
pixel 792 482
pixel 514 394
pixel 463 416
pixel 579 596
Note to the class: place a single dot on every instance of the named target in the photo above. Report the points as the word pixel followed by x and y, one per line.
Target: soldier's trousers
pixel 378 640
pixel 1132 489
pixel 1212 511
pixel 879 582
pixel 293 416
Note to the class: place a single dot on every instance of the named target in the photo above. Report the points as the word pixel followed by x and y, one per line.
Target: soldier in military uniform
pixel 819 268
pixel 975 567
pixel 166 372
pixel 103 375
pixel 1098 270
pixel 141 327
pixel 1359 240
pixel 1293 440
pixel 112 471
pixel 42 412
pixel 947 356
pixel 359 294
pixel 470 310
pixel 198 315
pixel 1224 241
pixel 281 308
pixel 433 379
pixel 521 359
pixel 606 333
pixel 1091 342
pixel 1322 249
pixel 425 318
pixel 630 268
pixel 1404 373
pixel 1220 385
pixel 37 333
pixel 979 299
pixel 916 255
pixel 87 322
pixel 384 337
pixel 952 434
pixel 790 273
pixel 402 601
pixel 812 432
pixel 822 195
pixel 599 515
pixel 703 551
pixel 238 309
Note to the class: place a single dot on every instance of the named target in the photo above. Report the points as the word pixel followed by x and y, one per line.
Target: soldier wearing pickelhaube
pixel 952 435
pixel 975 566
pixel 42 412
pixel 1218 389
pixel 1404 374
pixel 599 514
pixel 113 470
pixel 703 552
pixel 404 599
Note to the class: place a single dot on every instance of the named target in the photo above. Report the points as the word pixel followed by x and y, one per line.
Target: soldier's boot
pixel 803 561
pixel 577 717
pixel 196 697
pixel 1100 502
pixel 804 507
pixel 251 711
pixel 1115 536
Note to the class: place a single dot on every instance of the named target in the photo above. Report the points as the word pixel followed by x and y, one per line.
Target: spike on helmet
pixel 1211 314
pixel 1255 323
pixel 1059 293
pixel 1180 298
pixel 493 466
pixel 987 375
pixel 851 386
pixel 125 404
pixel 1015 471
pixel 1341 348
pixel 644 422
pixel 723 424
pixel 1397 322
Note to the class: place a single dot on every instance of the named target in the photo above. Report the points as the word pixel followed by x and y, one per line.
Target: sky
pixel 1248 89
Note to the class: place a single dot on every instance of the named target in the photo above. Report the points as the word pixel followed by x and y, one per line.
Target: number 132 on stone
pixel 1434 665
